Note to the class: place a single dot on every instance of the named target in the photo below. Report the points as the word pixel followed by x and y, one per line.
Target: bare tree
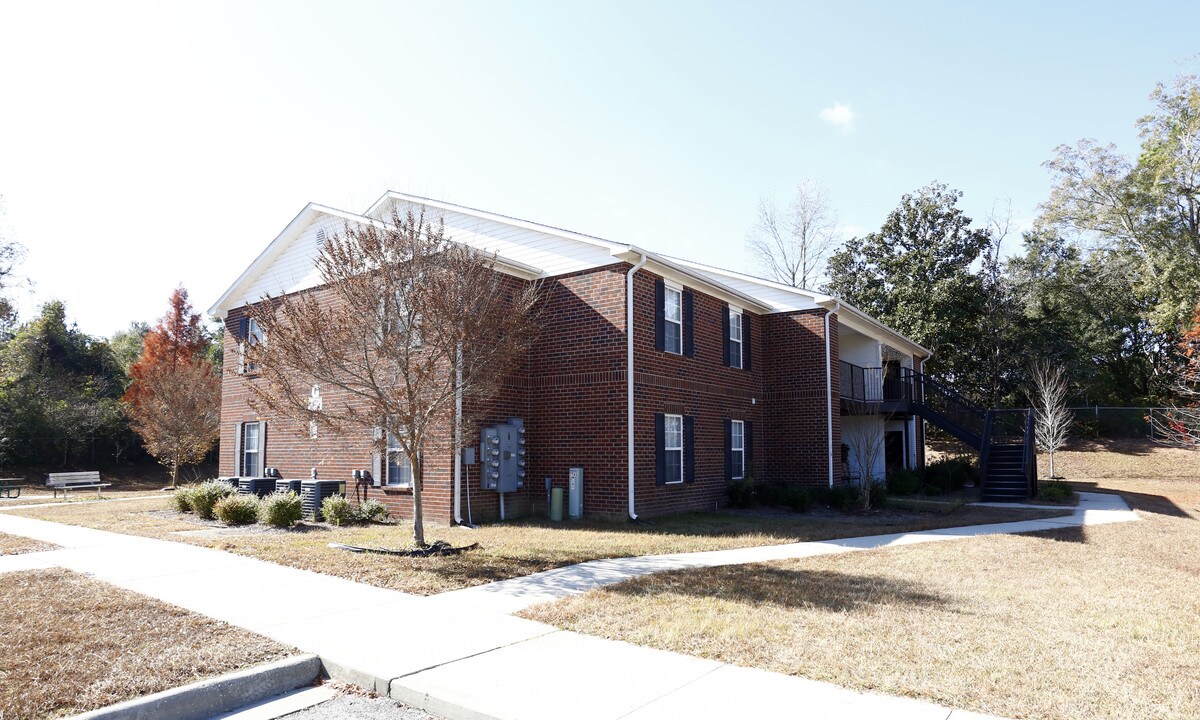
pixel 865 440
pixel 791 245
pixel 177 412
pixel 998 305
pixel 407 322
pixel 1052 419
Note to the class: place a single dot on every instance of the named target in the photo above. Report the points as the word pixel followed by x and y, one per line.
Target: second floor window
pixel 735 338
pixel 673 319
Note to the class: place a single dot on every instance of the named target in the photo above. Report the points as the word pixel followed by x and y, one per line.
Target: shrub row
pixel 339 511
pixel 746 493
pixel 217 500
pixel 937 478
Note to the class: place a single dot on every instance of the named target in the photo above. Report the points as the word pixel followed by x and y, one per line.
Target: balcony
pixel 886 390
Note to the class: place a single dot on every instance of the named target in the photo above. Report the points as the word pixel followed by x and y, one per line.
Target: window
pixel 673 320
pixel 737 449
pixel 398 323
pixel 252 334
pixel 673 448
pixel 251 460
pixel 399 470
pixel 735 338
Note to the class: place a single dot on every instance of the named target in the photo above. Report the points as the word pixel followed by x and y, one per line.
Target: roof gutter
pixel 629 377
pixel 829 386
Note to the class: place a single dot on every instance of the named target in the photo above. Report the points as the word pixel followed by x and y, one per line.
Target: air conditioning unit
pixel 314 492
pixel 289 486
pixel 231 481
pixel 260 486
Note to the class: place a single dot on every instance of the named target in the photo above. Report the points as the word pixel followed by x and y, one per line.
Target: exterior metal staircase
pixel 1003 437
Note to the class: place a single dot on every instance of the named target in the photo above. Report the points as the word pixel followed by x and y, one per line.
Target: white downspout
pixel 458 446
pixel 629 376
pixel 829 387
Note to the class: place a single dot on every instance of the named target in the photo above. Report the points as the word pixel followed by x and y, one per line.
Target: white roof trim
pixel 854 317
pixel 495 217
pixel 867 325
pixel 668 268
pixel 302 221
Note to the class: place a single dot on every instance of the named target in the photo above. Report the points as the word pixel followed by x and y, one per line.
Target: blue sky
pixel 147 145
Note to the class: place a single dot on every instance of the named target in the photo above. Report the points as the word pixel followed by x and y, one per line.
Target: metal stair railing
pixel 949 410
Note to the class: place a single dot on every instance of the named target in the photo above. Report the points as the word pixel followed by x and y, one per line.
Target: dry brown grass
pixel 1102 622
pixel 80 644
pixel 16 545
pixel 507 549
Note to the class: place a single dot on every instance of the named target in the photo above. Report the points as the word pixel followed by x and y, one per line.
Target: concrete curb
pixel 204 699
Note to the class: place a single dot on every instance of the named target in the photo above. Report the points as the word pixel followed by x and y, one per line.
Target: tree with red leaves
pixel 1180 424
pixel 174 400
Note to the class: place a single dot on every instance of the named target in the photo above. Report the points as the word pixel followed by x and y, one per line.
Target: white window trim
pixel 388 452
pixel 257 452
pixel 254 335
pixel 678 350
pixel 737 443
pixel 680 449
pixel 736 362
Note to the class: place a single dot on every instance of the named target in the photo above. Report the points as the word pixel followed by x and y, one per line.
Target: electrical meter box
pixel 575 493
pixel 502 456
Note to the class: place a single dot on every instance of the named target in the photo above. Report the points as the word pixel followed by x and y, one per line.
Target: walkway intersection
pixel 463 655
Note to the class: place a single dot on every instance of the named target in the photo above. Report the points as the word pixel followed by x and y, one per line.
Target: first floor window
pixel 673 448
pixel 399 469
pixel 251 460
pixel 737 448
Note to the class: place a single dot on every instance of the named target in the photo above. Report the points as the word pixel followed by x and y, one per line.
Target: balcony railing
pixel 872 385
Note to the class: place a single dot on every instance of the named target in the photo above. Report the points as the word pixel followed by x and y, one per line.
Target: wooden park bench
pixel 75 481
pixel 11 487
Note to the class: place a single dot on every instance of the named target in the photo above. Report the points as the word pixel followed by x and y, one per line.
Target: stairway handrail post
pixel 984 446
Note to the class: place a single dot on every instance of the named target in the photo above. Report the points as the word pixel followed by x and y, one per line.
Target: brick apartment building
pixel 726 375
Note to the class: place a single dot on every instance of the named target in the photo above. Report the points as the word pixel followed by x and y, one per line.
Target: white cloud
pixel 839 116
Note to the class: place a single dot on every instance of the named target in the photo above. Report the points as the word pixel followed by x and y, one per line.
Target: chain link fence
pixel 1098 422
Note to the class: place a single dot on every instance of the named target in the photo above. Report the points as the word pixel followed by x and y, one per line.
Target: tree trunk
pixel 174 473
pixel 418 512
pixel 1051 464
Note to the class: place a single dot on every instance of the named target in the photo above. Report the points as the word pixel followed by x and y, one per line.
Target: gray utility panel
pixel 502 456
pixel 575 493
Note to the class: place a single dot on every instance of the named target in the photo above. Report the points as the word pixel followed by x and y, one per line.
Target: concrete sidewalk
pixel 462 655
pixel 510 596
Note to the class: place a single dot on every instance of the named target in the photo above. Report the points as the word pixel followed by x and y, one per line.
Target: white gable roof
pixel 525 249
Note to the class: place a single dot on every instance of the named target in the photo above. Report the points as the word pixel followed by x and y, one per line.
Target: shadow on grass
pixel 1122 446
pixel 787 588
pixel 1138 501
pixel 1070 534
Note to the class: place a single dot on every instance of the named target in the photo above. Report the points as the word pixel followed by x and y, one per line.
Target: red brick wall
pixel 797 441
pixel 571 392
pixel 699 386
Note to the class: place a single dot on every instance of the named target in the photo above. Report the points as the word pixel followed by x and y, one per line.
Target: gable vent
pixel 321 239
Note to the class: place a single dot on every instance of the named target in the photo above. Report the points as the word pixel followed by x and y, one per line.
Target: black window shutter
pixel 745 341
pixel 725 334
pixel 262 448
pixel 689 448
pixel 728 447
pixel 243 328
pixel 748 446
pixel 689 344
pixel 660 322
pixel 660 455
